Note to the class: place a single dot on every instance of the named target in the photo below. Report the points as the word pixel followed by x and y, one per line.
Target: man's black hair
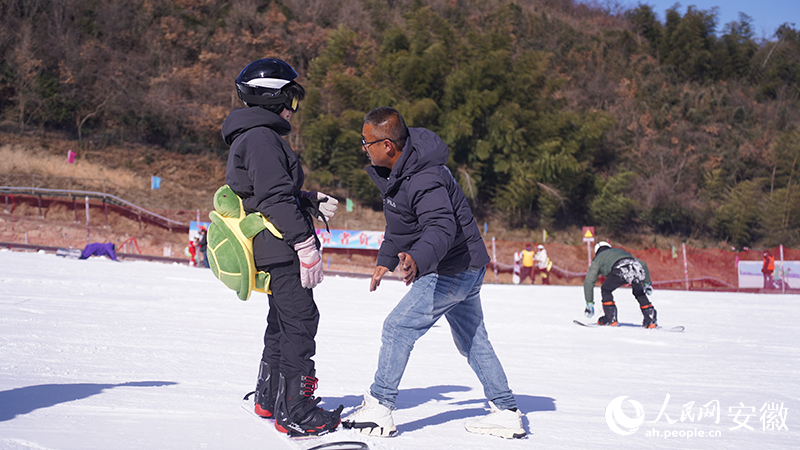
pixel 388 123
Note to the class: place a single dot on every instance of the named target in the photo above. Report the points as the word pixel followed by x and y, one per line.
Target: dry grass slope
pixel 188 185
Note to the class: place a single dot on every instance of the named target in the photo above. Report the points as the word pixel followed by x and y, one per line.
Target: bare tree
pixel 27 66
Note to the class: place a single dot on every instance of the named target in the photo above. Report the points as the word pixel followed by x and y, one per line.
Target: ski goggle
pixel 292 106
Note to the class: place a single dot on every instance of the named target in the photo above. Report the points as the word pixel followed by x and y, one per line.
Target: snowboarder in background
pixel 619 267
pixel 543 265
pixel 432 235
pixel 527 263
pixel 768 268
pixel 97 249
pixel 202 243
pixel 266 174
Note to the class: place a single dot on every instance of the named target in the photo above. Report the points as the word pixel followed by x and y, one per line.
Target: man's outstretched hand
pixel 408 267
pixel 408 270
pixel 376 277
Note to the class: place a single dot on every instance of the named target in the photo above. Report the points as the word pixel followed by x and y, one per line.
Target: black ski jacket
pixel 265 172
pixel 427 214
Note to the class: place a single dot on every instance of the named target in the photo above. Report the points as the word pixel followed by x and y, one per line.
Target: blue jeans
pixel 458 298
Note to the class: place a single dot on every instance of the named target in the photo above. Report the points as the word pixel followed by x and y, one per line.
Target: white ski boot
pixel 371 418
pixel 504 423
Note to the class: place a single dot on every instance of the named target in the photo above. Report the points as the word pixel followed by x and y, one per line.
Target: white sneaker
pixel 371 418
pixel 504 423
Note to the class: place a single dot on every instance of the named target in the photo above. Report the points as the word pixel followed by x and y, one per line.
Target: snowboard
pixel 515 276
pixel 676 329
pixel 325 441
pixel 69 253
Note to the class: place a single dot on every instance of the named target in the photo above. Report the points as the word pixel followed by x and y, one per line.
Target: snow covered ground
pixel 97 354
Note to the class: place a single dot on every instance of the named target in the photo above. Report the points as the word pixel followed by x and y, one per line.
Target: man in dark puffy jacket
pixel 619 267
pixel 265 173
pixel 432 235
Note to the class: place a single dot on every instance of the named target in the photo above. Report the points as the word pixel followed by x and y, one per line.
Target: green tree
pixel 646 24
pixel 611 208
pixel 689 43
pixel 780 69
pixel 738 48
pixel 781 223
pixel 740 213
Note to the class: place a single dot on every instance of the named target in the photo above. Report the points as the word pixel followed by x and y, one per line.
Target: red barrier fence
pixel 704 268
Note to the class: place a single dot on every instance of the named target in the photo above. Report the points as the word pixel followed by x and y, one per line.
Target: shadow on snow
pixel 23 400
pixel 410 398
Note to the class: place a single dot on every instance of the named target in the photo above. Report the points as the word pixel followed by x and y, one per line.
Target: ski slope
pixel 97 354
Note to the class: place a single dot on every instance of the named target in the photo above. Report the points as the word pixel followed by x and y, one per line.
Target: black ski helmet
pixel 269 83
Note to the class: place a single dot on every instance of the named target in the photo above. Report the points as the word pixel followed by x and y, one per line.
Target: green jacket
pixel 602 264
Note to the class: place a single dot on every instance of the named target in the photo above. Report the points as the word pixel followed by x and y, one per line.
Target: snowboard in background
pixel 517 259
pixel 69 253
pixel 677 329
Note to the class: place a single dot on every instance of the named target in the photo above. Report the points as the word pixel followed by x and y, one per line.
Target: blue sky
pixel 767 14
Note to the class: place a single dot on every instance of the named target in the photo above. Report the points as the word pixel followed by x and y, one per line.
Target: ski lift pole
pixel 494 258
pixel 87 219
pixel 783 273
pixel 685 267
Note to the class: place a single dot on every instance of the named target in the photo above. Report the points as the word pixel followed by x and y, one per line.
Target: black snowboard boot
pixel 649 314
pixel 296 410
pixel 266 390
pixel 609 315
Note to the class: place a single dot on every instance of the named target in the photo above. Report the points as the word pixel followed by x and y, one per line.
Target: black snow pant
pixel 291 322
pixel 625 271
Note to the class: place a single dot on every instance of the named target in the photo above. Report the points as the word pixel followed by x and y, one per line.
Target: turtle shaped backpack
pixel 230 244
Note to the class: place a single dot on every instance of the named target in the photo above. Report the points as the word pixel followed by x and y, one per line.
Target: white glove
pixel 310 263
pixel 324 202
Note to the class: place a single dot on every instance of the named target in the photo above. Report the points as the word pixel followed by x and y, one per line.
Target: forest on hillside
pixel 557 113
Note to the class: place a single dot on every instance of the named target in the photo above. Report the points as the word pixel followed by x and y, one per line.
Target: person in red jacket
pixel 191 250
pixel 767 269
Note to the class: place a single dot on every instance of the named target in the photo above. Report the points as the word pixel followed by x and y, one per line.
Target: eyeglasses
pixel 366 144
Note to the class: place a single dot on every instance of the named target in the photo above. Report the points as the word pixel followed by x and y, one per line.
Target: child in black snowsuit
pixel 266 174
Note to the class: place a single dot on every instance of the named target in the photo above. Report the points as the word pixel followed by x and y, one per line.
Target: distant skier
pixel 543 265
pixel 97 249
pixel 619 267
pixel 767 269
pixel 202 245
pixel 191 252
pixel 527 258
